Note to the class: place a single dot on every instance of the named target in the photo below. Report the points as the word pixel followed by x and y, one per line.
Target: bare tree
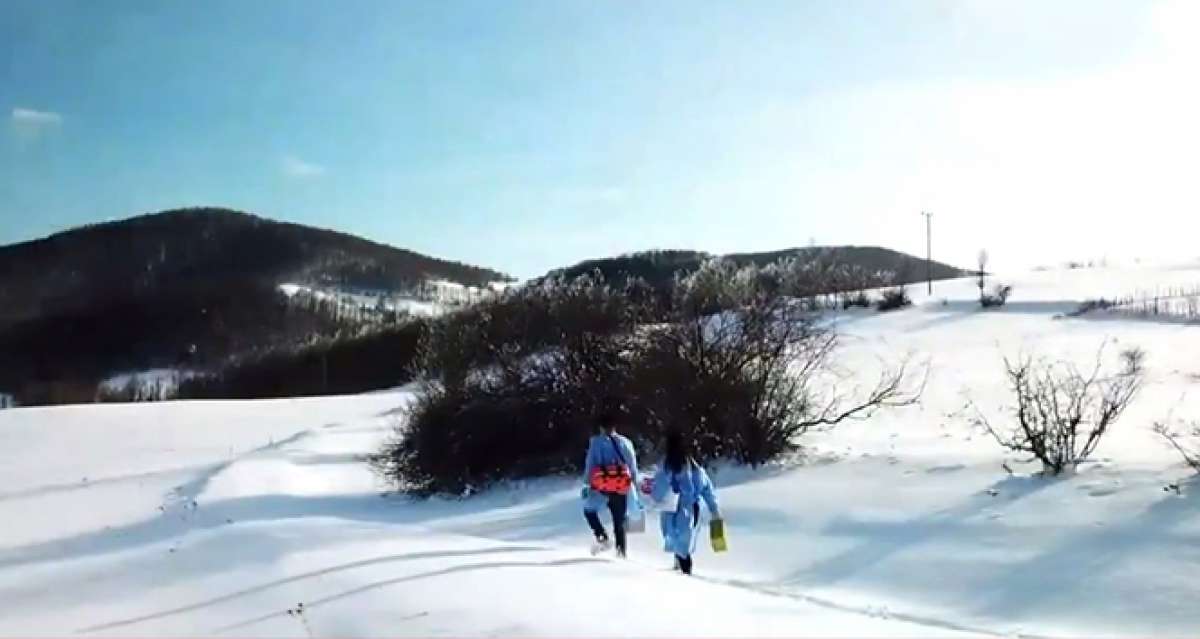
pixel 1061 414
pixel 983 262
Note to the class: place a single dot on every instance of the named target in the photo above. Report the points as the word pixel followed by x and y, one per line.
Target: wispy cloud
pixel 298 168
pixel 35 118
pixel 29 124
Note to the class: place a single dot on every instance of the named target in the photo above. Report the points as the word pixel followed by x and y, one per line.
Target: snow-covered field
pixel 202 518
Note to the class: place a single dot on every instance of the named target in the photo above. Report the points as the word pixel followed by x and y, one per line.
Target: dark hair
pixel 678 452
pixel 606 420
pixel 608 413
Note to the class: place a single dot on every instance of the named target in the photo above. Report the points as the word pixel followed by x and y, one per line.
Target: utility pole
pixel 928 250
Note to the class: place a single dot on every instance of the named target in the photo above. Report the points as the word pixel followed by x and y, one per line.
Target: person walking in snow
pixel 609 472
pixel 680 477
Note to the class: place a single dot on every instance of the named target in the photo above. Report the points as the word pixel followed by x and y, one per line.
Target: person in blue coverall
pixel 680 476
pixel 614 453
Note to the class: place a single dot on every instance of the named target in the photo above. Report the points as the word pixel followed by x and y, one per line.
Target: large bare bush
pixel 750 380
pixel 515 383
pixel 1061 413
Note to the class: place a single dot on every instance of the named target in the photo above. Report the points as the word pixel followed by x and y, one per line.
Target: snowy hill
pixel 202 518
pixel 185 289
pixel 658 268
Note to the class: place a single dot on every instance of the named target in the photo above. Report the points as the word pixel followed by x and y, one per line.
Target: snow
pixel 202 518
pixel 445 296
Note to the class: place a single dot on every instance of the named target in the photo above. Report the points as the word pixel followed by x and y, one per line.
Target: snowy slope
pixel 199 518
pixel 441 297
pixel 239 511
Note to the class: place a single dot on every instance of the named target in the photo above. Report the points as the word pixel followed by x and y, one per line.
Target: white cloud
pixel 297 168
pixel 29 124
pixel 34 118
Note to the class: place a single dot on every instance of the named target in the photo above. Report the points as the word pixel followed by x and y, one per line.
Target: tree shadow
pixel 247 544
pixel 959 310
pixel 444 515
pixel 1050 579
pixel 1036 307
pixel 848 318
pixel 882 540
pixel 1109 316
pixel 728 475
pixel 941 320
pixel 409 578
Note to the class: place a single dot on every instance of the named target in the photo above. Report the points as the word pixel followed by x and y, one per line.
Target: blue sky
pixel 528 135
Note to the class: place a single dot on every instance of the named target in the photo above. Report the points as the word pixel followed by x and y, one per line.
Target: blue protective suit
pixel 692 486
pixel 600 453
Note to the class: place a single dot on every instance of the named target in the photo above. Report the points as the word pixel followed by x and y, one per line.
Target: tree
pixel 1061 414
pixel 983 262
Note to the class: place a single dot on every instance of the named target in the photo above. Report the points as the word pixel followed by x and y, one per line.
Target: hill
pixel 187 287
pixel 659 267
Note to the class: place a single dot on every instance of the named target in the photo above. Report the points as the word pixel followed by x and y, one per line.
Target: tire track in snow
pixel 189 491
pixel 881 612
pixel 84 484
pixel 309 605
pixel 375 561
pixel 150 530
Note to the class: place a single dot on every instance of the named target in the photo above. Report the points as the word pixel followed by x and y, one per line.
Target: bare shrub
pixel 1184 439
pixel 1061 414
pixel 739 368
pixel 998 296
pixel 502 332
pixel 747 384
pixel 1088 306
pixel 1000 292
pixel 512 387
pixel 858 299
pixel 894 298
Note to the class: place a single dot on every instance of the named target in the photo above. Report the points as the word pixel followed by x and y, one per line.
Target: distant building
pixel 7 401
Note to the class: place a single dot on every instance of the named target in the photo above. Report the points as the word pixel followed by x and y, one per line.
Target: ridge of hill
pixel 184 288
pixel 658 267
